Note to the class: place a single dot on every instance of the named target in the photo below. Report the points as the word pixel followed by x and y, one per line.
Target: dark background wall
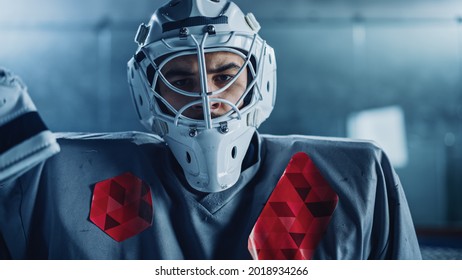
pixel 336 59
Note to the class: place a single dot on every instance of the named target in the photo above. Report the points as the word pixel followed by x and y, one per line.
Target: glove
pixel 25 141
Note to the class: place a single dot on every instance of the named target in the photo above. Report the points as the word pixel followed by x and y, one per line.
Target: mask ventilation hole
pixel 140 100
pixel 270 58
pixel 188 157
pixel 234 152
pixel 150 71
pixel 174 3
pixel 268 86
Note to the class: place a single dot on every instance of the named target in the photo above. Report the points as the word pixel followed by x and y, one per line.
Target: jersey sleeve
pixel 372 219
pixel 402 242
pixel 25 140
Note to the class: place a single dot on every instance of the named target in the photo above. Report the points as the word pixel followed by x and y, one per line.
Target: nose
pixel 214 107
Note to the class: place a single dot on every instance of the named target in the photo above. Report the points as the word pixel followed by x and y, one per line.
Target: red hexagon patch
pixel 122 206
pixel 296 215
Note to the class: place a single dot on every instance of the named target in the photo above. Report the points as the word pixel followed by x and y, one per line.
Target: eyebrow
pixel 186 72
pixel 178 72
pixel 224 68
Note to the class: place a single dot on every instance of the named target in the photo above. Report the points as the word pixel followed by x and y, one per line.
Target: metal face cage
pixel 204 97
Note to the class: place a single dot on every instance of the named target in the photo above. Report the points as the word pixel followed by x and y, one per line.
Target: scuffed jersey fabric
pixel 45 213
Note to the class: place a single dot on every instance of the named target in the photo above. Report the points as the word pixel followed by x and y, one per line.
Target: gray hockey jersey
pixel 51 211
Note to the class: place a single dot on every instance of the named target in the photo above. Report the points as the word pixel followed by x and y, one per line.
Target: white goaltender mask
pixel 209 147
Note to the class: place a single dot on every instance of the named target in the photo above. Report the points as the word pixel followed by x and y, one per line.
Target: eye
pixel 223 78
pixel 182 83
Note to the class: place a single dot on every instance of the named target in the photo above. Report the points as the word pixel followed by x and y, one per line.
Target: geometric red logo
pixel 296 215
pixel 122 206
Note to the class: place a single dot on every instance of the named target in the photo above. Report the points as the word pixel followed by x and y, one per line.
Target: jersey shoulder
pixel 327 146
pixel 127 137
pixel 98 152
pixel 109 143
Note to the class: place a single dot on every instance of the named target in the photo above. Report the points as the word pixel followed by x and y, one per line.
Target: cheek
pixel 170 96
pixel 238 88
pixel 173 98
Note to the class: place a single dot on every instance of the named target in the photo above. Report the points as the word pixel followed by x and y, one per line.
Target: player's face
pixel 183 73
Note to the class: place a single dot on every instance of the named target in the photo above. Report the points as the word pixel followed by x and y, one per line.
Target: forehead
pixel 213 59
